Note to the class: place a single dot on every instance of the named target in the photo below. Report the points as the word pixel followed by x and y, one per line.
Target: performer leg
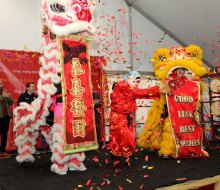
pixel 46 133
pixel 26 145
pixel 4 125
pixel 122 141
pixel 76 162
pixel 58 158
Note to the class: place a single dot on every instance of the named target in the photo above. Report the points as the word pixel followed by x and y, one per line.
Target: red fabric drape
pixel 16 69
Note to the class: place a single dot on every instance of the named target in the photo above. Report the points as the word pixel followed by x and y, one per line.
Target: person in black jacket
pixel 6 101
pixel 28 96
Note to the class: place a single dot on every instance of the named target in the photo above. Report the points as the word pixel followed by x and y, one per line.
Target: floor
pixel 147 171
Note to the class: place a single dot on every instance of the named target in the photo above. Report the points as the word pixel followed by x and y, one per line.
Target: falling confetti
pixel 181 179
pixel 95 159
pixel 146 176
pixel 146 158
pixel 106 161
pixel 88 182
pixel 141 187
pixel 150 167
pixel 103 183
pixel 120 188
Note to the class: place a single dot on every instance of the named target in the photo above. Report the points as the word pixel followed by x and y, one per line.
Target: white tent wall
pixel 21 29
pixel 20 25
pixel 194 22
pixel 112 39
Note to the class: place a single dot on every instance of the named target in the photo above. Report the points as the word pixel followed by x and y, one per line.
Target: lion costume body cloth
pixel 158 133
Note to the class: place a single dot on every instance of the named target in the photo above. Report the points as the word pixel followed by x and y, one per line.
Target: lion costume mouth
pixel 188 73
pixel 167 60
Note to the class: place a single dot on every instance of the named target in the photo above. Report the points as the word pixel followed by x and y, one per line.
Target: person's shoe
pixel 5 155
pixel 1 155
pixel 37 152
pixel 72 169
pixel 102 145
pixel 48 151
pixel 62 173
pixel 164 157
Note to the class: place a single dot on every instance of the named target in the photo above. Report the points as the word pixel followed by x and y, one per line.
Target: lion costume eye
pixel 161 58
pixel 194 54
pixel 57 8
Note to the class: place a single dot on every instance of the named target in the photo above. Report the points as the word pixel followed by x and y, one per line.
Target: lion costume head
pixel 190 58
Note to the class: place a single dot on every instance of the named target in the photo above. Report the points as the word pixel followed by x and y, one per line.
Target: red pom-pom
pixel 84 15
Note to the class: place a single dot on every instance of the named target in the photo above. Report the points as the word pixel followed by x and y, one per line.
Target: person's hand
pixel 96 101
pixel 164 88
pixel 5 94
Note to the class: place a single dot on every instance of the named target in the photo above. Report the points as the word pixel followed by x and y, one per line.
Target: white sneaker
pixel 63 173
pixel 82 168
pixel 37 152
pixel 72 169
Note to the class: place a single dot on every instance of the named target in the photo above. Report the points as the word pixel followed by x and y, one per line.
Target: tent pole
pixel 131 67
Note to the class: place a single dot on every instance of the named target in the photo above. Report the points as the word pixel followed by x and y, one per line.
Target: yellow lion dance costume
pixel 157 133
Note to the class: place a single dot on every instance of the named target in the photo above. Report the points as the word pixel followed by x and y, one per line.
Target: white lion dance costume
pixel 60 18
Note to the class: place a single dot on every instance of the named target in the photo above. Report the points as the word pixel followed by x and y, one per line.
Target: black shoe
pixel 164 157
pixel 48 151
pixel 102 145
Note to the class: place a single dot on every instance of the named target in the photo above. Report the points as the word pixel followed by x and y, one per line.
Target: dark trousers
pixel 97 121
pixel 4 126
pixel 43 142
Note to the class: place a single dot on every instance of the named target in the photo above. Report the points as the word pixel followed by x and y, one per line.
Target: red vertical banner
pixel 79 121
pixel 17 68
pixel 187 133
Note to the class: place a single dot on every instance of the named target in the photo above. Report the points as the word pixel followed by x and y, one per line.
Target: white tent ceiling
pixel 187 22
